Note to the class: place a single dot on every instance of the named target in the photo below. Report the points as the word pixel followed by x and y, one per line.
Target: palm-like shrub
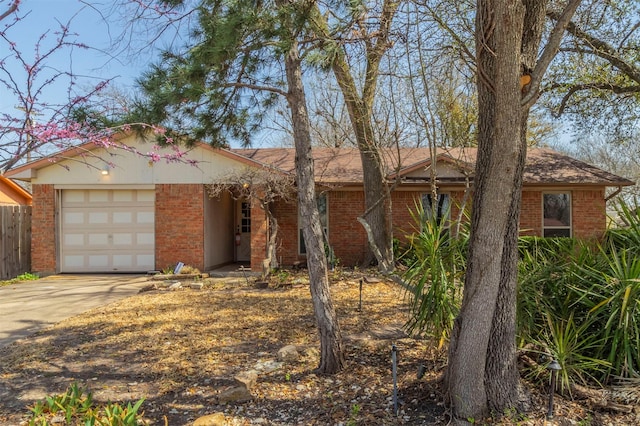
pixel 434 274
pixel 626 235
pixel 572 345
pixel 552 321
pixel 614 299
pixel 579 302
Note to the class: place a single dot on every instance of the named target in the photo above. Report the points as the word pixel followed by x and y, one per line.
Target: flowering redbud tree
pixel 34 126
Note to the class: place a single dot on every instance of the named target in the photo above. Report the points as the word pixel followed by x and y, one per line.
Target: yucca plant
pixel 434 276
pixel 568 343
pixel 614 298
pixel 626 234
pixel 547 272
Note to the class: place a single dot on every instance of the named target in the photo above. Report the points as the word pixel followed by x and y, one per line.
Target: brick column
pixel 43 230
pixel 259 231
pixel 179 223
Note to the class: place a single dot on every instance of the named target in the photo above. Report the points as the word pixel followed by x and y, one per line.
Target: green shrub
pixel 78 409
pixel 549 282
pixel 570 344
pixel 27 276
pixel 435 275
pixel 580 302
pixel 614 299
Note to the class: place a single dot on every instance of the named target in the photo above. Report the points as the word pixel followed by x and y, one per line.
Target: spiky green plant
pixel 569 343
pixel 614 298
pixel 547 271
pixel 77 407
pixel 626 233
pixel 434 275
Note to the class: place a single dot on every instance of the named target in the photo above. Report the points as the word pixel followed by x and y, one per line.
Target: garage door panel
pixel 108 230
pixel 123 196
pixel 98 218
pixel 145 238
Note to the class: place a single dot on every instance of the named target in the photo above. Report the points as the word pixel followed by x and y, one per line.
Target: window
pixel 245 223
pixel 321 200
pixel 557 214
pixel 442 209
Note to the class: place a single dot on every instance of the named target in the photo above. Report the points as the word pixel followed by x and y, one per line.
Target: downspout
pixel 606 200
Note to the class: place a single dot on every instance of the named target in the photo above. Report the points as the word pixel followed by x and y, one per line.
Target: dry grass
pixel 180 349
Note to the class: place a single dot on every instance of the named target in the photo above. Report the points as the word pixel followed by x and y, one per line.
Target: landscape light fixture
pixel 554 366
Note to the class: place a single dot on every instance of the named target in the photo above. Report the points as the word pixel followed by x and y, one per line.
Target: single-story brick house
pixel 142 215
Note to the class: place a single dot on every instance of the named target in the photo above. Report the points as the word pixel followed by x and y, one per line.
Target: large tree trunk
pixel 502 373
pixel 508 38
pixel 331 355
pixel 376 218
pixel 490 280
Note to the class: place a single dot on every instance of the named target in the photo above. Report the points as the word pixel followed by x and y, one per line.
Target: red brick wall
pixel 531 213
pixel 589 216
pixel 287 215
pixel 349 240
pixel 259 230
pixel 404 202
pixel 346 234
pixel 43 230
pixel 179 225
pixel 588 213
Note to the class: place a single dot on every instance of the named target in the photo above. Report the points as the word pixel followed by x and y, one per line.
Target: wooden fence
pixel 15 247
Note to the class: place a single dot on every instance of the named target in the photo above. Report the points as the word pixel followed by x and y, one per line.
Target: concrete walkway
pixel 31 306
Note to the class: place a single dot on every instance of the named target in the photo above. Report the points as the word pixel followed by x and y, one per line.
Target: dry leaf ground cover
pixel 180 349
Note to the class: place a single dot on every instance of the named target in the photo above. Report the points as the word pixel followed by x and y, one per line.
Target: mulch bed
pixel 179 349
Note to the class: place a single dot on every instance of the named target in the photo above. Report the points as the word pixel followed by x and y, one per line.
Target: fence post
pixel 15 247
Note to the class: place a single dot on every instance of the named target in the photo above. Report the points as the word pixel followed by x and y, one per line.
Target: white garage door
pixel 107 230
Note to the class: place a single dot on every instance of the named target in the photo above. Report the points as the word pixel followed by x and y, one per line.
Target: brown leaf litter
pixel 181 349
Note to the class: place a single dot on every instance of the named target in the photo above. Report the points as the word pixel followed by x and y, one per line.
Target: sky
pixel 98 24
pixel 95 64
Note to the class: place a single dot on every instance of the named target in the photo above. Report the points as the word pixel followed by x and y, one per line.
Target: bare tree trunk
pixel 271 261
pixel 377 215
pixel 331 355
pixel 495 214
pixel 508 38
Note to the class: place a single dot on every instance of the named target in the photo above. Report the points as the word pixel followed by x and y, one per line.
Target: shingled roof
pixel 343 165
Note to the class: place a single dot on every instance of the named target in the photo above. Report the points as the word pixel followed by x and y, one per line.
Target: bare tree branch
pixel 12 8
pixel 573 89
pixel 550 50
pixel 601 49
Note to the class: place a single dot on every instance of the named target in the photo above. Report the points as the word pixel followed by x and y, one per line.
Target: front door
pixel 243 231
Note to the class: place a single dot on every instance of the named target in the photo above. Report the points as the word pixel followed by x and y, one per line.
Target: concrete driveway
pixel 31 306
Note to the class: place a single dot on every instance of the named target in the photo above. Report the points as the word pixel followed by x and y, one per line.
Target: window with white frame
pixel 442 208
pixel 556 214
pixel 321 201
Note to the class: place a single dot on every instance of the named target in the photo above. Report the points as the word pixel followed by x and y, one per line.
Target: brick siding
pixel 348 238
pixel 589 215
pixel 179 228
pixel 179 221
pixel 43 230
pixel 258 236
pixel 531 213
